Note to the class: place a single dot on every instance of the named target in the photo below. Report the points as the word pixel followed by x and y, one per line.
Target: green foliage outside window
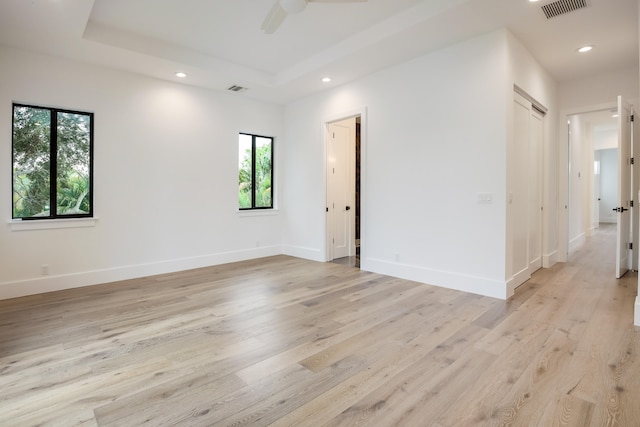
pixel 51 148
pixel 255 172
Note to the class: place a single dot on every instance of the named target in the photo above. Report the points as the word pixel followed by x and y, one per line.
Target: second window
pixel 255 175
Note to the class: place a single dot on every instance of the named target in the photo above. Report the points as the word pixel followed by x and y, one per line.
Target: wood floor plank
pixel 382 369
pixel 320 342
pixel 75 393
pixel 288 342
pixel 522 403
pixel 418 392
pixel 567 411
pixel 496 381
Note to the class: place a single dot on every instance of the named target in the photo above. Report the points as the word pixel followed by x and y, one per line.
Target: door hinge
pixel 631 161
pixel 630 245
pixel 327 208
pixel 630 203
pixel 632 117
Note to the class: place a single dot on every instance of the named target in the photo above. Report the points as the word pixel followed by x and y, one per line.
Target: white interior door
pixel 623 236
pixel 525 190
pixel 340 188
pixel 535 189
pixel 519 194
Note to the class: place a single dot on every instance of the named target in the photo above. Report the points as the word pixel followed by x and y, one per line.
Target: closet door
pixel 519 194
pixel 525 197
pixel 535 189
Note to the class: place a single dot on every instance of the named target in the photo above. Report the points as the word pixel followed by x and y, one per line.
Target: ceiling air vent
pixel 561 7
pixel 236 88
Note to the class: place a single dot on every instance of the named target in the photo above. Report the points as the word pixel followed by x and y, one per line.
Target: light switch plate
pixel 485 198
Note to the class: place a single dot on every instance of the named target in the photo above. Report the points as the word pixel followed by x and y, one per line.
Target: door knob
pixel 348 208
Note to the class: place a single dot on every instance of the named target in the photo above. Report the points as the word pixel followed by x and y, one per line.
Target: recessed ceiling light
pixel 584 49
pixel 614 115
pixel 326 79
pixel 181 74
pixel 532 1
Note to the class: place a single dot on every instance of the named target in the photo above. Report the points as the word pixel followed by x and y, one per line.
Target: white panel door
pixel 535 190
pixel 518 198
pixel 623 236
pixel 339 191
pixel 525 195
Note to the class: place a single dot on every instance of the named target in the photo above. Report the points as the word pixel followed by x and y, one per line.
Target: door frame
pixel 362 112
pixel 563 173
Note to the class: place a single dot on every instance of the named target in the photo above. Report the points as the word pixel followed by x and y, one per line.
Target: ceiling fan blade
pixel 274 18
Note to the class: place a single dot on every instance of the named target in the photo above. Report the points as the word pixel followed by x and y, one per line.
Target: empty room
pixel 319 212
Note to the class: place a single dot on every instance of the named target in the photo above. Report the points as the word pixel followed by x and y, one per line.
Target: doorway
pixel 343 190
pixel 599 175
pixel 589 133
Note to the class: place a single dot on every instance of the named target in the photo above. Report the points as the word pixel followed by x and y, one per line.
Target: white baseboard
pixel 304 253
pixel 445 279
pixel 636 312
pixel 517 280
pixel 577 241
pixel 613 220
pixel 550 259
pixel 451 280
pixel 44 284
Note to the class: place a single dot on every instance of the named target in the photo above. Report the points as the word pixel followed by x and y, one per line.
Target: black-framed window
pixel 52 155
pixel 255 154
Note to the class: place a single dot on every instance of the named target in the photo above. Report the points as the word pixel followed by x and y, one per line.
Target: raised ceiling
pixel 219 43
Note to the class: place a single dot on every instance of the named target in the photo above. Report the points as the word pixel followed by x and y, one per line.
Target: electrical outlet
pixel 44 269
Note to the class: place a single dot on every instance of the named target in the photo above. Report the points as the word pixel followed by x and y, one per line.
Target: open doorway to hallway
pixel 593 177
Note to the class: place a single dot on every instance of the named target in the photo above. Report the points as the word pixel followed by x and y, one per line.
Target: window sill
pixel 258 212
pixel 47 224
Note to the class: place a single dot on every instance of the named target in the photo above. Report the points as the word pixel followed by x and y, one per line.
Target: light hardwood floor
pixel 287 342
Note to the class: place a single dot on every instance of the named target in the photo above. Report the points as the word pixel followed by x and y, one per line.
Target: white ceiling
pixel 219 43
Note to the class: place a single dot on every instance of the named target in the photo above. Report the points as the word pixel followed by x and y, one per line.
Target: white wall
pixel 434 136
pixel 597 89
pixel 165 178
pixel 604 139
pixel 579 146
pixel 608 184
pixel 605 146
pixel 435 133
